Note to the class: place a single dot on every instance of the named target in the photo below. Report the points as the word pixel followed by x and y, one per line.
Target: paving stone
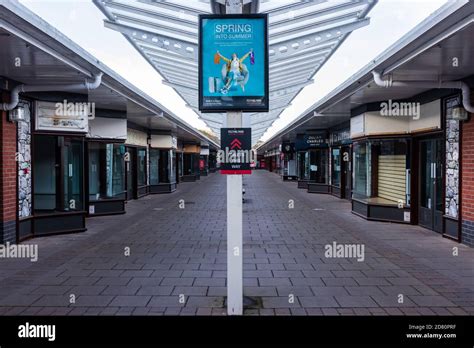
pixel 391 301
pixel 87 289
pixel 121 290
pixel 130 301
pixel 209 282
pixel 355 301
pixel 196 274
pixel 294 290
pixel 339 281
pixel 365 290
pixel 329 290
pixel 307 281
pixel 260 291
pixel 92 301
pixel 190 290
pixel 279 302
pixel 165 301
pixel 113 281
pixel 209 301
pixel 318 301
pixel 142 281
pixel 177 281
pixel 274 281
pixel 431 301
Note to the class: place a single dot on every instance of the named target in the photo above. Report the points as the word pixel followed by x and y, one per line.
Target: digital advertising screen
pixel 233 63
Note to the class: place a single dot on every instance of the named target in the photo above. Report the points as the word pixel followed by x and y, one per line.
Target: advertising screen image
pixel 233 63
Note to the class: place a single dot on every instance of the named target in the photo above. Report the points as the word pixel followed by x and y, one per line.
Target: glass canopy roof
pixel 302 37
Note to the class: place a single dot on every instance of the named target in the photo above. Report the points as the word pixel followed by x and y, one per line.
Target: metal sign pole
pixel 234 215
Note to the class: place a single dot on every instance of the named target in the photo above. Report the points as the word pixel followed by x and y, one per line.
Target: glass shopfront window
pixel 172 165
pixel 167 166
pixel 336 167
pixel 319 166
pixel 313 165
pixel 191 163
pixel 106 171
pixel 154 166
pixel 141 167
pixel 380 171
pixel 303 165
pixel 58 174
pixel 180 164
pixel 361 170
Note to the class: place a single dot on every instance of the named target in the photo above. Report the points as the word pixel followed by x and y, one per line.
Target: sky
pixel 82 21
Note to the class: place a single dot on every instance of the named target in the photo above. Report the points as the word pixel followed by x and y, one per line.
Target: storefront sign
pixel 233 63
pixel 340 137
pixel 163 141
pixel 136 137
pixel 236 152
pixel 107 128
pixel 53 117
pixel 311 141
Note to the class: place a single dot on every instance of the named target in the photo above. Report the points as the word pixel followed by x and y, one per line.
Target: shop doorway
pixel 346 172
pixel 431 184
pixel 131 177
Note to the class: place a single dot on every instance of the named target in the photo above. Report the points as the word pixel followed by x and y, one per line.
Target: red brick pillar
pixel 467 193
pixel 8 177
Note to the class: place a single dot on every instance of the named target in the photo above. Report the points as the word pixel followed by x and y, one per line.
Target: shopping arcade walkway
pixel 182 251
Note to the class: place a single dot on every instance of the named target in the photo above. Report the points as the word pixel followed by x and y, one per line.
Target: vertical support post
pixel 234 215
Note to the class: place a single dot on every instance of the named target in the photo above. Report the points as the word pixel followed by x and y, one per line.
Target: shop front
pixel 51 190
pixel 105 159
pixel 272 160
pixel 313 161
pixel 136 164
pixel 289 162
pixel 163 163
pixel 381 186
pixel 212 161
pixel 191 156
pixel 204 160
pixel 399 172
pixel 341 168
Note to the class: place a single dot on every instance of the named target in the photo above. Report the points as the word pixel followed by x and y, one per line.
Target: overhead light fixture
pixel 17 114
pixel 458 113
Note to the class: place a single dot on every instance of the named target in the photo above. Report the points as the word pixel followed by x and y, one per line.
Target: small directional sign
pixel 236 153
pixel 236 144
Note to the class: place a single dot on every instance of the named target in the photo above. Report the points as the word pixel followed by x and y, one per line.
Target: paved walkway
pixel 177 262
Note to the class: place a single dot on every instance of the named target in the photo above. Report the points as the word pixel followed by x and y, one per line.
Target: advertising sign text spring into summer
pixel 233 63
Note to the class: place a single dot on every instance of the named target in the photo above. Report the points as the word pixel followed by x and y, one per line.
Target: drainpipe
pixel 15 93
pixel 466 92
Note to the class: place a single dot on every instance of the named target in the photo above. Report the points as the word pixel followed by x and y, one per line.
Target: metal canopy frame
pixel 302 37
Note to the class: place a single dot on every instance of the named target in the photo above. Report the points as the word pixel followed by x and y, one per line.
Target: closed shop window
pixel 106 171
pixel 154 166
pixel 380 171
pixel 141 167
pixel 58 174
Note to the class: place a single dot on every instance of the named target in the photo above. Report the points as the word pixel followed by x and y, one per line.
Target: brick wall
pixel 467 193
pixel 8 172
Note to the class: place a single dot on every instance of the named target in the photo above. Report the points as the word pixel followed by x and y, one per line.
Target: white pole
pixel 235 289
